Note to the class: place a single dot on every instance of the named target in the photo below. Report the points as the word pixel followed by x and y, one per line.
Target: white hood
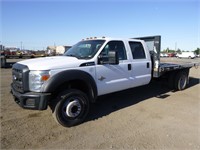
pixel 48 63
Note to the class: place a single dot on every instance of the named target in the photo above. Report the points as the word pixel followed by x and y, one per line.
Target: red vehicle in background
pixel 171 55
pixel 8 53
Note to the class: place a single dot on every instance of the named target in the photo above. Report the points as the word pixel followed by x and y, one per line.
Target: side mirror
pixel 112 58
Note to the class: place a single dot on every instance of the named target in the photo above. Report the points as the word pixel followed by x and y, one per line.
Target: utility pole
pixel 21 45
pixel 175 46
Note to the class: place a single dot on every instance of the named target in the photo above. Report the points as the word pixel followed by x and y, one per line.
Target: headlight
pixel 37 79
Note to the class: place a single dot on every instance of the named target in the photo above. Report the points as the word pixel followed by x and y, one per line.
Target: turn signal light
pixel 45 77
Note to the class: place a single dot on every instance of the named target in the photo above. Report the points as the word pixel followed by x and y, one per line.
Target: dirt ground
pixel 147 117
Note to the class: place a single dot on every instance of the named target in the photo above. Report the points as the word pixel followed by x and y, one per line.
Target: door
pixel 141 65
pixel 112 78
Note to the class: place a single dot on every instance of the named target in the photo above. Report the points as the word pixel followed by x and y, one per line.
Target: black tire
pixel 71 108
pixel 181 80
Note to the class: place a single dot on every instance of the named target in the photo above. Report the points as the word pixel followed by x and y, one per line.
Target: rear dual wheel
pixel 181 81
pixel 178 81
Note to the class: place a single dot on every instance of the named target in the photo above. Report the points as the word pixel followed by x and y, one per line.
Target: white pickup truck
pixel 92 67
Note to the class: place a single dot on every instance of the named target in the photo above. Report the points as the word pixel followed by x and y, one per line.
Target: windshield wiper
pixel 71 55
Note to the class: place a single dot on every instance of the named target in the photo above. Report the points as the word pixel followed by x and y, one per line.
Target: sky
pixel 36 24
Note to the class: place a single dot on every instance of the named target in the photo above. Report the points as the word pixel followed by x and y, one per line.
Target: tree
pixel 197 51
pixel 178 51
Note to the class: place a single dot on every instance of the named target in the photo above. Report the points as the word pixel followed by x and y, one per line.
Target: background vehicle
pixel 163 55
pixel 189 55
pixel 91 68
pixel 171 54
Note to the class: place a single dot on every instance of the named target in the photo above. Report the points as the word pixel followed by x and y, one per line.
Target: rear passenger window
pixel 137 50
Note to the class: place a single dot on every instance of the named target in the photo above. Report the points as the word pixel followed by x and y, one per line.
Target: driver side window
pixel 115 46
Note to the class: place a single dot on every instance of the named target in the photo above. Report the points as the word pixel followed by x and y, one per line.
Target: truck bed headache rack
pixel 154 45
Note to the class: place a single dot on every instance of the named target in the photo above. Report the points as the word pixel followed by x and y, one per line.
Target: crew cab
pixel 90 68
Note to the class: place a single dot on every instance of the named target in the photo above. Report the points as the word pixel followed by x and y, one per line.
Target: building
pixel 12 49
pixel 2 47
pixel 57 50
pixel 60 50
pixel 51 50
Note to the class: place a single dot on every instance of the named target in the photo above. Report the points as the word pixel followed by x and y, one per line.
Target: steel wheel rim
pixel 72 108
pixel 182 82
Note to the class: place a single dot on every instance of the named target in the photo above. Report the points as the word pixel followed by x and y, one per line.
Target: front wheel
pixel 71 108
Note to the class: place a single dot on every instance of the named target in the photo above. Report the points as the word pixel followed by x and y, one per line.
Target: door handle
pixel 148 65
pixel 129 66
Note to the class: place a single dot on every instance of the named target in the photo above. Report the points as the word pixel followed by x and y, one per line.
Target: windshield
pixel 85 49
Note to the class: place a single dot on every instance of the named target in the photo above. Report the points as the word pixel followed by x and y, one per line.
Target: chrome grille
pixel 20 77
pixel 17 79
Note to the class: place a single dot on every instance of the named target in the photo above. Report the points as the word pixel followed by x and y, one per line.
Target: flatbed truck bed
pixel 172 66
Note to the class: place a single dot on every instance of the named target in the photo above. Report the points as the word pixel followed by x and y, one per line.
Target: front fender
pixel 65 76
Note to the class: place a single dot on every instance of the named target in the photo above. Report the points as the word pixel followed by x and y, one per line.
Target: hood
pixel 55 62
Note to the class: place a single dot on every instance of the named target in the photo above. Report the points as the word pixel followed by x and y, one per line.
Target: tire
pixel 71 108
pixel 181 81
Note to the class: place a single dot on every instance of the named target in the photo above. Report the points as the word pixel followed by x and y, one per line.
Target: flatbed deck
pixel 176 66
pixel 173 65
